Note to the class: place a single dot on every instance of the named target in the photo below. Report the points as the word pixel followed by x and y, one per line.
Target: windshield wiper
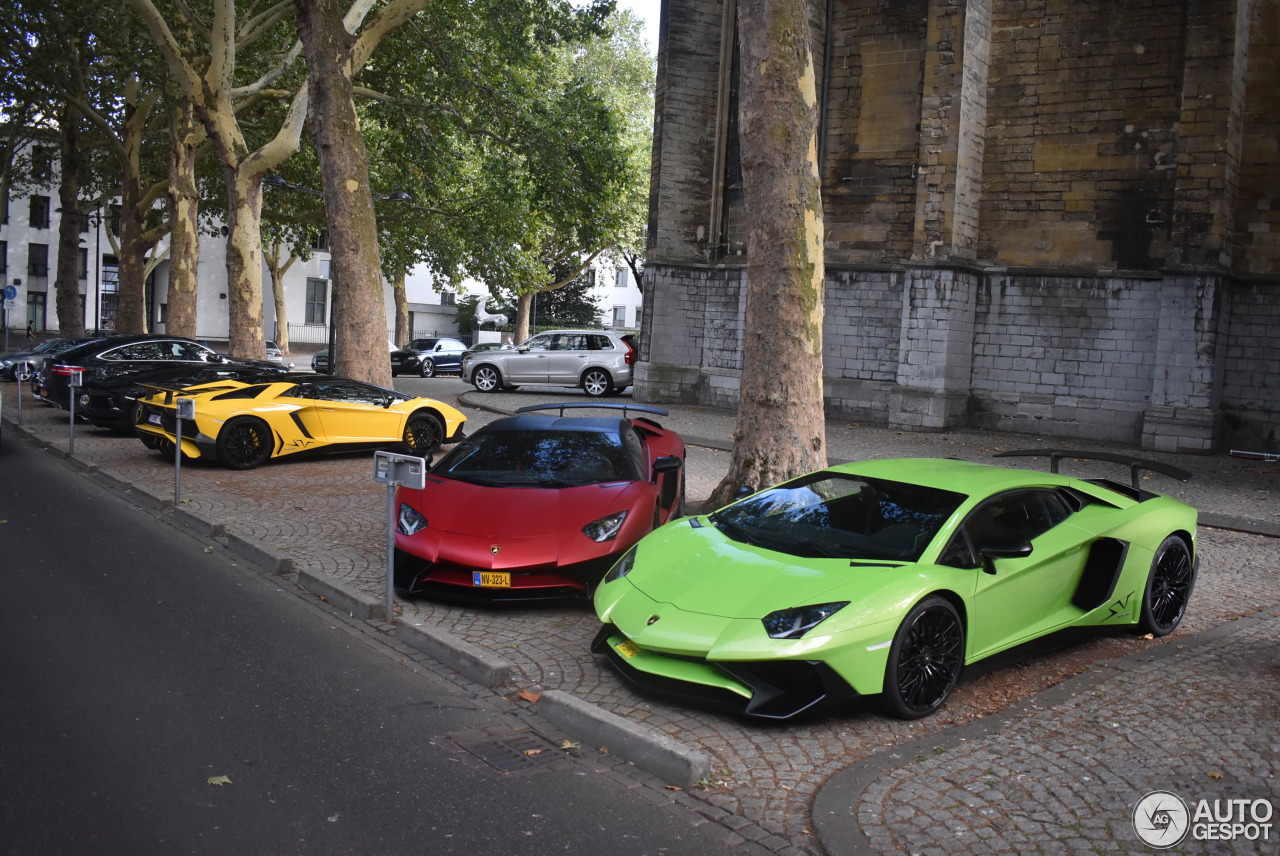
pixel 733 530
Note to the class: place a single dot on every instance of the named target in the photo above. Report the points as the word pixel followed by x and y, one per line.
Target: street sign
pixel 10 293
pixel 396 471
pixel 399 470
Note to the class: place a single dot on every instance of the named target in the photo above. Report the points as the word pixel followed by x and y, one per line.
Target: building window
pixel 4 256
pixel 86 220
pixel 619 316
pixel 321 241
pixel 84 262
pixel 42 164
pixel 448 298
pixel 164 313
pixel 113 216
pixel 35 309
pixel 317 299
pixel 39 218
pixel 620 278
pixel 38 260
pixel 110 274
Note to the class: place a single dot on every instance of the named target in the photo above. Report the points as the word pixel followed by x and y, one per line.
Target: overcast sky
pixel 648 10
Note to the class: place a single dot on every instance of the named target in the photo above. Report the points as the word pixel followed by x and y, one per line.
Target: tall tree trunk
pixel 780 430
pixel 277 267
pixel 184 207
pixel 348 203
pixel 244 262
pixel 67 281
pixel 524 305
pixel 400 293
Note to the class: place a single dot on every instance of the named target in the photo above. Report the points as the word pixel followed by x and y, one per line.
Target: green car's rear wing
pixel 1135 465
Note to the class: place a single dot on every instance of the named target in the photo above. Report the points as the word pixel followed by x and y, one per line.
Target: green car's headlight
pixel 409 521
pixel 794 623
pixel 606 528
pixel 622 567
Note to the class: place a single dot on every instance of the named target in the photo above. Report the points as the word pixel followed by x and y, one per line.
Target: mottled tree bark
pixel 67 281
pixel 400 293
pixel 184 207
pixel 278 263
pixel 780 431
pixel 348 203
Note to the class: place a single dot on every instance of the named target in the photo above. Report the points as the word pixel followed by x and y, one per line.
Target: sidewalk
pixel 855 784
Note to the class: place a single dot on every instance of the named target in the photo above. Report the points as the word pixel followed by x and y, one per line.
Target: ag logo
pixel 1161 819
pixel 495 549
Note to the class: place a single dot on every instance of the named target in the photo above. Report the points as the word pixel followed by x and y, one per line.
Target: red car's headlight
pixel 606 528
pixel 409 521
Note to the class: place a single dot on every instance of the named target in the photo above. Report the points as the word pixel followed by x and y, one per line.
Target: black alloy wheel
pixel 487 379
pixel 925 660
pixel 423 434
pixel 427 368
pixel 244 442
pixel 1164 601
pixel 596 383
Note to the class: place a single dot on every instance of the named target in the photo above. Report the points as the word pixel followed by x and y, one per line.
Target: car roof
pixel 107 342
pixel 547 422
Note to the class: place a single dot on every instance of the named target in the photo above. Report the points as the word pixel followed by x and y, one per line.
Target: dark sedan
pixel 427 357
pixel 110 403
pixel 125 356
pixel 31 359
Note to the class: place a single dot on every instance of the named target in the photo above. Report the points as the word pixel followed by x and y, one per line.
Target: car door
pixel 527 363
pixel 1019 597
pixel 448 354
pixel 567 359
pixel 354 412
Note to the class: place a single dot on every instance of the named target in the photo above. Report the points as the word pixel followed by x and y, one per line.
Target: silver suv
pixel 599 361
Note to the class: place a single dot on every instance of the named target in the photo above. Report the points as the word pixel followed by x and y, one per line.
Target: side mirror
pixel 666 464
pixel 1011 550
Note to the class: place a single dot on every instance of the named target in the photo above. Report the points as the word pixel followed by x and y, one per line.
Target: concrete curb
pixel 470 660
pixel 834 820
pixel 669 759
pixel 357 604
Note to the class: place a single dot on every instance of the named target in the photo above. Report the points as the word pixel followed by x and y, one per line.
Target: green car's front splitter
pixel 777 689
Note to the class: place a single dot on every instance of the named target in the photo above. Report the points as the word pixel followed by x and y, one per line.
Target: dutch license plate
pixel 627 648
pixel 154 418
pixel 490 580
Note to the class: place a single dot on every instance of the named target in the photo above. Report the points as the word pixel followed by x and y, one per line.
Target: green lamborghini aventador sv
pixel 885 578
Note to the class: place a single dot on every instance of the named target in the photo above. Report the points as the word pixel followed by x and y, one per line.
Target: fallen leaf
pixel 208 549
pixel 603 750
pixel 530 696
pixel 1215 775
pixel 1148 636
pixel 218 780
pixel 569 744
pixel 533 751
pixel 674 788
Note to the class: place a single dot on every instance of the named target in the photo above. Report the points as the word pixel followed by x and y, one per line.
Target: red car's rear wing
pixel 1135 465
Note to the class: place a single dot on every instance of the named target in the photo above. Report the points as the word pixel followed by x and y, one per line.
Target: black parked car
pixel 125 356
pixel 110 403
pixel 32 358
pixel 427 357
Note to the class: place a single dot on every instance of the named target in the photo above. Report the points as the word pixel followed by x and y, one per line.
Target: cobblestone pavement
pixel 328 515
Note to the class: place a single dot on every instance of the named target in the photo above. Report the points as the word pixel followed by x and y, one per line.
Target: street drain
pixel 512 753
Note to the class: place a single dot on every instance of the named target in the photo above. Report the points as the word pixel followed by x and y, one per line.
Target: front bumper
pixel 764 689
pixel 413 575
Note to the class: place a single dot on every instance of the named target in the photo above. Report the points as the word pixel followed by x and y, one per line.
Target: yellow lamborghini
pixel 242 425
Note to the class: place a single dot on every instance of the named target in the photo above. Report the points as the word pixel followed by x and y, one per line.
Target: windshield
pixel 840 516
pixel 538 459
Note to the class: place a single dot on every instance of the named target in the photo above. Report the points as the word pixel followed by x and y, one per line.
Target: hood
pixel 701 570
pixel 516 512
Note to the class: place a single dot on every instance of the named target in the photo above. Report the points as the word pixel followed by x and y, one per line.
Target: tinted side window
pixel 601 343
pixel 540 343
pixel 136 351
pixel 1010 518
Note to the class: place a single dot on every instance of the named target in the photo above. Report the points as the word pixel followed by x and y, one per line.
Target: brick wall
pixel 1058 216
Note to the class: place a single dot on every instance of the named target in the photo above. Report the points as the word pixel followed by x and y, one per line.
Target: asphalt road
pixel 158 699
